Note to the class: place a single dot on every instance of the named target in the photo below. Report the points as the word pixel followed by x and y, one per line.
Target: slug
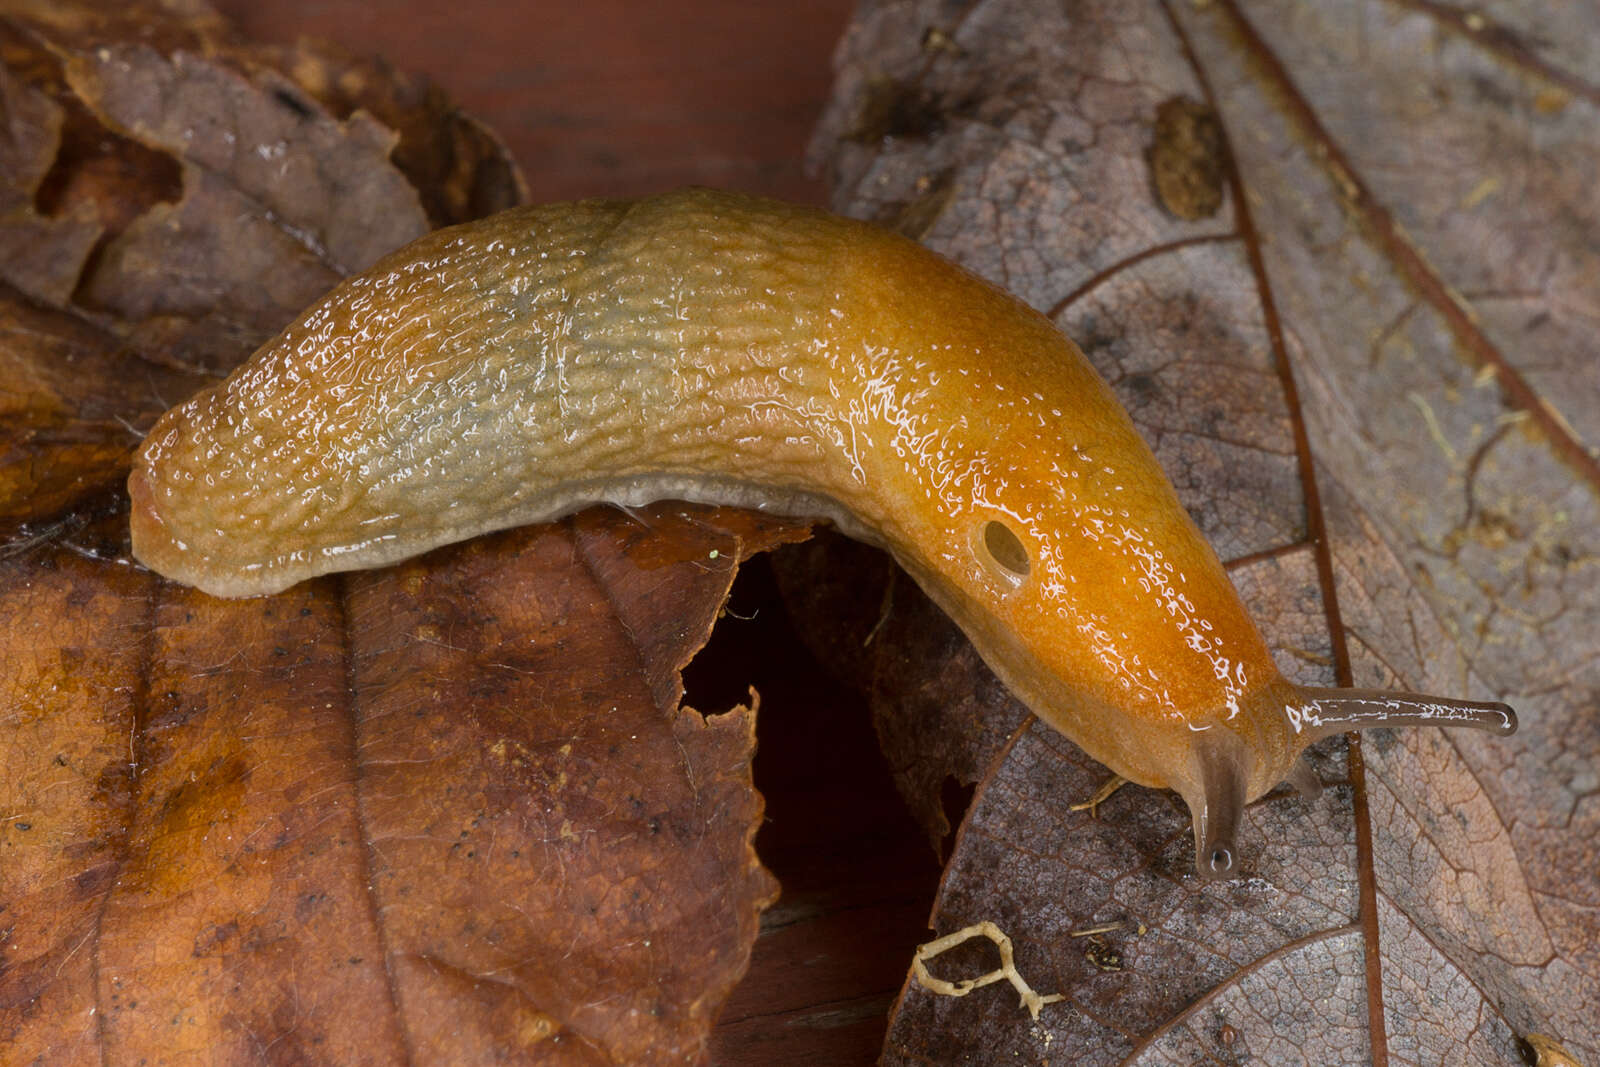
pixel 724 349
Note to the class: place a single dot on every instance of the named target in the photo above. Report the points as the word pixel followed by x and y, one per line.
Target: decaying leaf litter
pixel 1020 178
pixel 1336 371
pixel 370 820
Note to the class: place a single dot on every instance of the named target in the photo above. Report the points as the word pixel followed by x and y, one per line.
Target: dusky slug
pixel 724 349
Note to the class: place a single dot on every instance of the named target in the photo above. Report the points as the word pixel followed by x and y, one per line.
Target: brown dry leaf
pixel 444 812
pixel 449 812
pixel 40 254
pixel 1372 382
pixel 71 401
pixel 460 168
pixel 259 176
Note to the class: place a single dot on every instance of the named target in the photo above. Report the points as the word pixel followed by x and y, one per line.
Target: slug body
pixel 716 348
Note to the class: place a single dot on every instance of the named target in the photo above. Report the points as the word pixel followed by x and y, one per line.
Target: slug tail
pixel 1223 777
pixel 1317 713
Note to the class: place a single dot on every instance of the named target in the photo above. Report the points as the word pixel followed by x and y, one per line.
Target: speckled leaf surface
pixel 263 175
pixel 452 812
pixel 1368 368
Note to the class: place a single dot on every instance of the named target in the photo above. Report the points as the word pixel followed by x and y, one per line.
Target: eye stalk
pixel 1224 765
pixel 1223 762
pixel 1318 713
pixel 1001 551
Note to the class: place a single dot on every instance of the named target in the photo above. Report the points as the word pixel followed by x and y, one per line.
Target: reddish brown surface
pixel 612 97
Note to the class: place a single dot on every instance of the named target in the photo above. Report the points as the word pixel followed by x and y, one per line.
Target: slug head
pixel 1227 770
pixel 1034 513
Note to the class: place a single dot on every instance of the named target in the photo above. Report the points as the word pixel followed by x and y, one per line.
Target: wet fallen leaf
pixel 1369 373
pixel 449 812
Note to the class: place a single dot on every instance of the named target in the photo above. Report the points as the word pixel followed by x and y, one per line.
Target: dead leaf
pixel 444 810
pixel 72 404
pixel 449 811
pixel 278 186
pixel 459 167
pixel 1369 376
pixel 41 255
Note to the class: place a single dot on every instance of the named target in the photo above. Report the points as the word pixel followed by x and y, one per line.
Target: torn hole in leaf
pixel 100 172
pixel 719 676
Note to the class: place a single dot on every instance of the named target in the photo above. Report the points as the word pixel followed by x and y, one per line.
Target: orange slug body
pixel 718 348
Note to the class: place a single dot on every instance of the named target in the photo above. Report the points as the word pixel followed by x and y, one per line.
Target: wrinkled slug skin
pixel 711 347
pixel 717 348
